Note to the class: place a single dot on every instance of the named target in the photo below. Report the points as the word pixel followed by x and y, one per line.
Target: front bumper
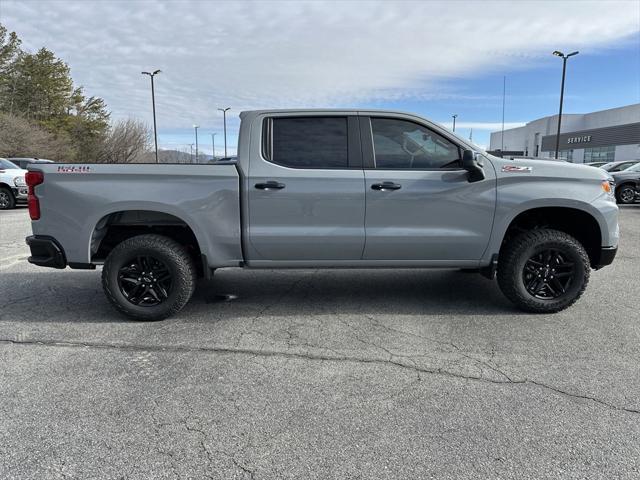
pixel 20 194
pixel 607 254
pixel 46 252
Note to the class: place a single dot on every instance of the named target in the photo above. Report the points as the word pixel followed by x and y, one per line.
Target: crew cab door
pixel 420 205
pixel 306 190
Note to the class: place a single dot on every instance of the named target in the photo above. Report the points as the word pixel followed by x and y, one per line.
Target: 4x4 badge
pixel 516 169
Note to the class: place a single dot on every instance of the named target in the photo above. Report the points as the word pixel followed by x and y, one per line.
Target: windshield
pixel 617 166
pixel 4 163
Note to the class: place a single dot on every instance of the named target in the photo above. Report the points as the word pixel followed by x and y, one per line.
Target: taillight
pixel 33 178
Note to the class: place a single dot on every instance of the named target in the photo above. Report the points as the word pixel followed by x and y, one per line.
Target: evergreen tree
pixel 38 88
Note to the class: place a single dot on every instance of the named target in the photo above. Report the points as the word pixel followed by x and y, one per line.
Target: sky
pixel 431 58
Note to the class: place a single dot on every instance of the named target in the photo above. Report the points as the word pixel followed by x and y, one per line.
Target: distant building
pixel 606 135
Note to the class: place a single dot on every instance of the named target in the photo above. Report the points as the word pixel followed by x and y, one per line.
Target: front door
pixel 419 203
pixel 306 191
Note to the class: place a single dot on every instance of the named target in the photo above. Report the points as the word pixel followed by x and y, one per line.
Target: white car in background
pixel 24 162
pixel 13 188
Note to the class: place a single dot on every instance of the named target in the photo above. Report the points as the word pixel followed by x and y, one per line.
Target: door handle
pixel 270 185
pixel 386 186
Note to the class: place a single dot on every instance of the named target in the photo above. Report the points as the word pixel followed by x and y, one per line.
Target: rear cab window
pixel 313 142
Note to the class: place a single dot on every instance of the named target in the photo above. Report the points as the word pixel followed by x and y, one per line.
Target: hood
pixel 14 172
pixel 551 168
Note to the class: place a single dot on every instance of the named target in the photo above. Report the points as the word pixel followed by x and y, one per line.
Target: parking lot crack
pixel 389 359
pixel 261 312
pixel 584 397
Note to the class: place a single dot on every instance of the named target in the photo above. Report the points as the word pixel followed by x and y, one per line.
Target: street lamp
pixel 224 114
pixel 196 127
pixel 454 121
pixel 213 145
pixel 153 102
pixel 564 69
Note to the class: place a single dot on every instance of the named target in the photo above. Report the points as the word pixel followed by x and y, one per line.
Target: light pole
pixel 196 127
pixel 191 154
pixel 564 69
pixel 213 145
pixel 224 115
pixel 153 102
pixel 454 121
pixel 504 95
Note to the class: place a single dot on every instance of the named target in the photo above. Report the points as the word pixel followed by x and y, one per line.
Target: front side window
pixel 401 144
pixel 308 142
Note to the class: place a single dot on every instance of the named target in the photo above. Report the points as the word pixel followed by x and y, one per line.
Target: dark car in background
pixel 619 166
pixel 627 188
pixel 23 162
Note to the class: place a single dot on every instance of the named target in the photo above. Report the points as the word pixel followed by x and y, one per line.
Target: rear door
pixel 306 190
pixel 420 205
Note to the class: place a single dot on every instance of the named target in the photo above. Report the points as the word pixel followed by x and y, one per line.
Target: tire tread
pixel 186 280
pixel 508 273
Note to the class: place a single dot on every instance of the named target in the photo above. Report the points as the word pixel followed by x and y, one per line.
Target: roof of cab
pixel 250 114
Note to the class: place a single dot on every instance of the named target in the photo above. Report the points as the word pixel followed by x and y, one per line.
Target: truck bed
pixel 77 200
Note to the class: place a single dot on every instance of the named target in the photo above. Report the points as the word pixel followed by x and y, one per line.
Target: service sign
pixel 580 139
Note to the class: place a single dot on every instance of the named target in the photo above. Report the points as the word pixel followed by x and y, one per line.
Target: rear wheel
pixel 543 271
pixel 149 277
pixel 7 201
pixel 626 194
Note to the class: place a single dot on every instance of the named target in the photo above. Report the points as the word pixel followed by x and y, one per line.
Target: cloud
pixel 290 54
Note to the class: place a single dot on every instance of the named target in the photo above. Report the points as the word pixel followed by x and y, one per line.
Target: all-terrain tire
pixel 7 200
pixel 171 255
pixel 515 255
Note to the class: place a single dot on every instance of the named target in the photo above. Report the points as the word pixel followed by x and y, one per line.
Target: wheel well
pixel 577 223
pixel 116 227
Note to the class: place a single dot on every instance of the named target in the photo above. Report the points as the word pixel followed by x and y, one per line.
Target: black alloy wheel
pixel 145 281
pixel 548 274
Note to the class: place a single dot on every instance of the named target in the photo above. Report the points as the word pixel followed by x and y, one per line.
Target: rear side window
pixel 401 144
pixel 307 142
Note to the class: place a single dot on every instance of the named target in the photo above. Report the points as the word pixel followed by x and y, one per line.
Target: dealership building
pixel 607 135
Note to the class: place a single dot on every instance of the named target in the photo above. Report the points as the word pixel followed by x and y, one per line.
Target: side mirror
pixel 470 164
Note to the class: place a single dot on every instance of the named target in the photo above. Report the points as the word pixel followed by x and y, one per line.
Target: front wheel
pixel 543 271
pixel 7 201
pixel 149 277
pixel 626 194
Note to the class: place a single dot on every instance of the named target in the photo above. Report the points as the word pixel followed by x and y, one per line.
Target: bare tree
pixel 21 138
pixel 128 141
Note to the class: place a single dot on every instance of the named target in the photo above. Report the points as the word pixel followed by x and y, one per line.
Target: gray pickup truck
pixel 327 189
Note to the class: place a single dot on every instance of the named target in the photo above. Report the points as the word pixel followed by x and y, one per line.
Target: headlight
pixel 19 182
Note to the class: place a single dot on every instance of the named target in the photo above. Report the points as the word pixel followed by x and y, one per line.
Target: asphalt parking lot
pixel 318 374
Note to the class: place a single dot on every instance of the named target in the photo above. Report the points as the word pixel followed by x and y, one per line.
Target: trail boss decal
pixel 516 169
pixel 74 169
